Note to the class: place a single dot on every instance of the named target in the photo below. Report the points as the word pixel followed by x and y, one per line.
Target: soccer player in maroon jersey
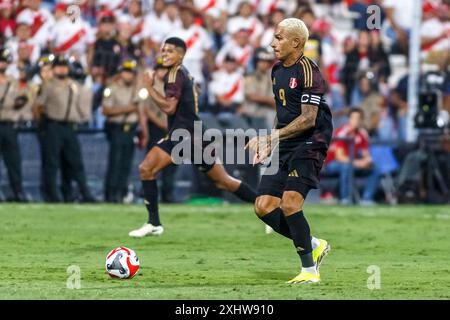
pixel 180 103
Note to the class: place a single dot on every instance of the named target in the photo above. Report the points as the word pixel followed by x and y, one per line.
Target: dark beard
pixel 61 76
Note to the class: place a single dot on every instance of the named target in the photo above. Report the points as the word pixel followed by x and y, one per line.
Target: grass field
pixel 222 252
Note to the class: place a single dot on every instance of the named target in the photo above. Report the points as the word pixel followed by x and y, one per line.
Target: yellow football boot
pixel 305 278
pixel 320 253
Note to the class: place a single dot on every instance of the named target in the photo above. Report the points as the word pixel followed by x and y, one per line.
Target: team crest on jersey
pixel 293 83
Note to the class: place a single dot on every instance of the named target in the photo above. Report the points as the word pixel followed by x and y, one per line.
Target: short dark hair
pixel 177 42
pixel 356 110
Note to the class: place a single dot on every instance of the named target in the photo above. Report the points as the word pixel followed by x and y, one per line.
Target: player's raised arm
pixel 168 104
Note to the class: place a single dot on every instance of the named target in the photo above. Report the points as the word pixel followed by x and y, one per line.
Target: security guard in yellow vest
pixel 62 101
pixel 11 102
pixel 123 112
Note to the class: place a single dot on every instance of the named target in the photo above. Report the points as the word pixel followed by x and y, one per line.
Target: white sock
pixel 314 242
pixel 311 270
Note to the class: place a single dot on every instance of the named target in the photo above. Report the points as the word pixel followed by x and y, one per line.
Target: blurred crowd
pixel 229 49
pixel 229 54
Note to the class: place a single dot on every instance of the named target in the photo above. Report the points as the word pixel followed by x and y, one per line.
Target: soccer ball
pixel 122 263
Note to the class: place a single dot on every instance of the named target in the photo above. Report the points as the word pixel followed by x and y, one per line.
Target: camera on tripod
pixel 430 98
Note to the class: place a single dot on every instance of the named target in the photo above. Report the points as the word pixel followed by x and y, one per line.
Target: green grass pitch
pixel 222 252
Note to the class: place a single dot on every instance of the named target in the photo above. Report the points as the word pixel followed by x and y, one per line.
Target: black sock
pixel 301 235
pixel 277 222
pixel 150 188
pixel 245 193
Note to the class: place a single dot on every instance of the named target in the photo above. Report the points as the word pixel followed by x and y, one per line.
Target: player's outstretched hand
pixel 261 146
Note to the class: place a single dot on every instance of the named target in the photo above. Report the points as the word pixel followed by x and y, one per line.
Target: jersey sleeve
pixel 174 83
pixel 313 85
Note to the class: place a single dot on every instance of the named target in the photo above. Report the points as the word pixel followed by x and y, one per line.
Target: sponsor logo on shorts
pixel 293 174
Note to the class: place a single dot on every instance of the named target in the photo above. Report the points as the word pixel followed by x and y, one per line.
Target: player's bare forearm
pixel 167 105
pixel 305 121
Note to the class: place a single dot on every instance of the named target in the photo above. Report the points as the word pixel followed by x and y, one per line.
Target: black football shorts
pixel 299 170
pixel 197 148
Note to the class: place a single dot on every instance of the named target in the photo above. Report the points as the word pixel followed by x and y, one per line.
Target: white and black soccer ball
pixel 122 263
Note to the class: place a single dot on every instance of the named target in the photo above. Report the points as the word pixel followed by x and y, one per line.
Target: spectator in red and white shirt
pixel 213 14
pixel 227 94
pixel 116 6
pixel 42 21
pixel 234 5
pixel 274 19
pixel 237 47
pixel 71 37
pixel 7 20
pixel 339 159
pixel 198 44
pixel 268 7
pixel 212 8
pixel 435 33
pixel 162 20
pixel 23 44
pixel 136 20
pixel 248 21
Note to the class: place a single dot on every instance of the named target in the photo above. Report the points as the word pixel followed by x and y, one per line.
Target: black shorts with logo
pixel 299 170
pixel 196 152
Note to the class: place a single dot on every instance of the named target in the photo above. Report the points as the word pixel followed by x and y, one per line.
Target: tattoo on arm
pixel 305 121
